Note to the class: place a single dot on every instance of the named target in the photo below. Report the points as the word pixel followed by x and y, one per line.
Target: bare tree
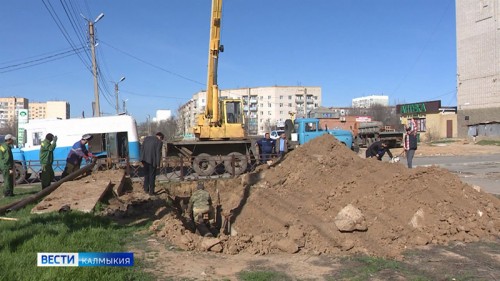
pixel 8 128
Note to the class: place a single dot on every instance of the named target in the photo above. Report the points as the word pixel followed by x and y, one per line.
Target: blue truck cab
pixel 306 129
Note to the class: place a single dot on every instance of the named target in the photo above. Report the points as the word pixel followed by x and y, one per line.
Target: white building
pixel 162 115
pixel 265 108
pixel 368 101
pixel 478 60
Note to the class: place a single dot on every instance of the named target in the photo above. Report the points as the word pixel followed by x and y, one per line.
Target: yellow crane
pixel 223 118
pixel 220 130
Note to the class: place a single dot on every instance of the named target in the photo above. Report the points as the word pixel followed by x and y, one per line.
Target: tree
pixel 167 127
pixel 8 128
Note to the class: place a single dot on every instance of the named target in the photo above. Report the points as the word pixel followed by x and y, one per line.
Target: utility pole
pixel 116 95
pixel 124 106
pixel 97 109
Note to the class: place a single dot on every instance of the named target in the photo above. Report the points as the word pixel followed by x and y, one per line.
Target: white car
pixel 276 134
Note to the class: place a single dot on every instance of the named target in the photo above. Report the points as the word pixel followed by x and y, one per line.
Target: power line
pixel 32 63
pixel 65 34
pixel 155 66
pixel 151 96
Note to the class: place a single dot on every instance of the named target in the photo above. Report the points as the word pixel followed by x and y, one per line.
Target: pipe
pixel 46 191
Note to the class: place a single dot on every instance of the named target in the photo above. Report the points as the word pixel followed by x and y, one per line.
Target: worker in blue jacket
pixel 266 148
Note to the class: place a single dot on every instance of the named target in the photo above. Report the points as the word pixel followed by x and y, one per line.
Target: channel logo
pixel 85 259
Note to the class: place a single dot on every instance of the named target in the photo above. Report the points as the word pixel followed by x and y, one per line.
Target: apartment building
pixel 265 108
pixel 49 110
pixel 368 101
pixel 478 65
pixel 9 107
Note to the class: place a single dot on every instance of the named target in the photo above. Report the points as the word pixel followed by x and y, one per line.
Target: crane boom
pixel 212 107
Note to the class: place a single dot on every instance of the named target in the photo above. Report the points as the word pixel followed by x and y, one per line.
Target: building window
pixel 269 104
pixel 281 111
pixel 261 105
pixel 262 113
pixel 269 113
pixel 281 97
pixel 261 97
pixel 268 97
pixel 289 97
pixel 281 105
pixel 289 105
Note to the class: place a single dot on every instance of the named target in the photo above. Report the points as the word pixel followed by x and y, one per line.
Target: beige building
pixel 478 63
pixel 432 120
pixel 8 109
pixel 265 108
pixel 49 110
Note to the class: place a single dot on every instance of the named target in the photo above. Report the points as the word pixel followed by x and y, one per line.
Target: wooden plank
pixel 80 195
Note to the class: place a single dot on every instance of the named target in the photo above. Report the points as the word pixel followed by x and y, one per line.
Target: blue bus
pixel 114 137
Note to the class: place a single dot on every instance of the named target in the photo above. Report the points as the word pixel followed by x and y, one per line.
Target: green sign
pixel 413 108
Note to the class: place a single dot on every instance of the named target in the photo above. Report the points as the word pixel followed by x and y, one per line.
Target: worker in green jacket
pixel 7 165
pixel 47 158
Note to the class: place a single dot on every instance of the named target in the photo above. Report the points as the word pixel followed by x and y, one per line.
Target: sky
pixel 401 48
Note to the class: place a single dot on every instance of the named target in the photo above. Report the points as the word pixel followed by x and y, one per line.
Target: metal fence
pixel 171 169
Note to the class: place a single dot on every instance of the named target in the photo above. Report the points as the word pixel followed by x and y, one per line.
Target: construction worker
pixel 266 148
pixel 151 154
pixel 7 165
pixel 378 150
pixel 47 158
pixel 410 145
pixel 200 203
pixel 77 152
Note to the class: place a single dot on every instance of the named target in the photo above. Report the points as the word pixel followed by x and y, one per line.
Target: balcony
pixel 253 108
pixel 310 100
pixel 299 100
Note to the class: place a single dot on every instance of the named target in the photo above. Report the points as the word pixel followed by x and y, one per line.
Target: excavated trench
pixel 302 204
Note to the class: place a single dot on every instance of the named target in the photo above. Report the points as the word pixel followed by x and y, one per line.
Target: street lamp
pixel 97 109
pixel 116 94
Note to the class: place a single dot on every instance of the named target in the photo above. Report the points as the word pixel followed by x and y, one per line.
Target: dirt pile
pixel 296 206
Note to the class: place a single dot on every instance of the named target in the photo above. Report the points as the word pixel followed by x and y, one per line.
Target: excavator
pixel 220 130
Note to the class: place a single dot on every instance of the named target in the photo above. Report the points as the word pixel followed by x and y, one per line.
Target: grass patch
pixel 365 268
pixel 21 240
pixel 488 142
pixel 263 275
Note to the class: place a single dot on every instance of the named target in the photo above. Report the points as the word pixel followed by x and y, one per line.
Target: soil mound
pixel 323 198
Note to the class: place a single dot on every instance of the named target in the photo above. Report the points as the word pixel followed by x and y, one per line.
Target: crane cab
pixel 230 124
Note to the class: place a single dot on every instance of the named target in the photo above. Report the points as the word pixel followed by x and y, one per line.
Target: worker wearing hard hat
pixel 76 154
pixel 7 165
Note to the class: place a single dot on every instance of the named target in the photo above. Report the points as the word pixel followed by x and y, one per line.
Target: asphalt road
pixel 480 170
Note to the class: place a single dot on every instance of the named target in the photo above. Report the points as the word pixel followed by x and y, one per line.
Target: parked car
pixel 276 134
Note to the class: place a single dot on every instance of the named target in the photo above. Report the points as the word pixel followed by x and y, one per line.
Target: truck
pixel 113 137
pixel 220 135
pixel 372 131
pixel 306 129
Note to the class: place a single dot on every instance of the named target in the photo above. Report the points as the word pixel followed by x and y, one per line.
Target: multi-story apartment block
pixel 265 108
pixel 49 110
pixel 9 107
pixel 478 63
pixel 368 101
